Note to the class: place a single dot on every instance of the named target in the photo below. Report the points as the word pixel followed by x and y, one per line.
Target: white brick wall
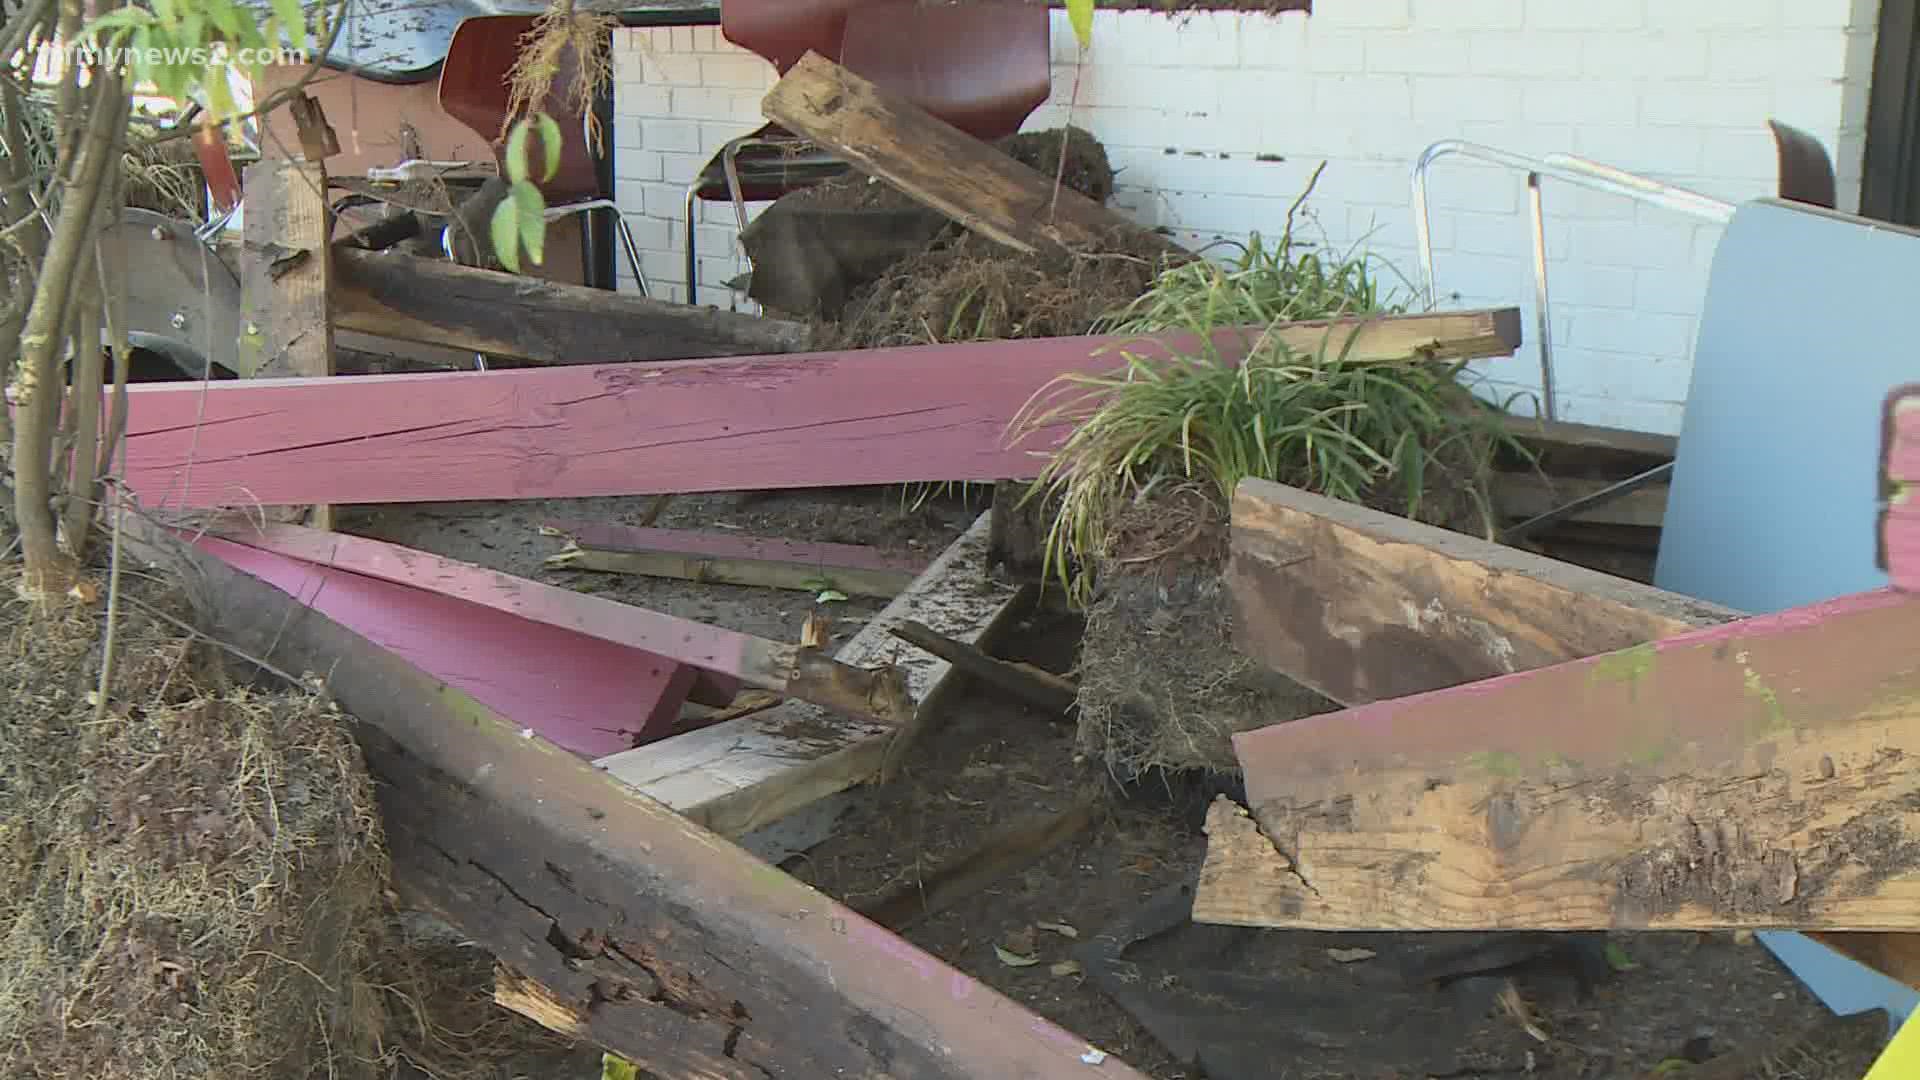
pixel 1193 108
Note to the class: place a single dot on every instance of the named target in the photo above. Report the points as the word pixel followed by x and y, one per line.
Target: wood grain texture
pixel 673 948
pixel 755 661
pixel 743 774
pixel 728 558
pixel 870 416
pixel 284 271
pixel 1900 522
pixel 588 696
pixel 285 327
pixel 1362 605
pixel 936 163
pixel 436 302
pixel 1757 773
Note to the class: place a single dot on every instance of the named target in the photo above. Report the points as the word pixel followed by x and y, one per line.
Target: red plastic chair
pixel 983 67
pixel 473 90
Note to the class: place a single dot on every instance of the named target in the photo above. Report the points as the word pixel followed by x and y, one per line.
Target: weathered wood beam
pixel 748 773
pixel 585 694
pixel 868 416
pixel 654 938
pixel 854 569
pixel 436 302
pixel 1754 774
pixel 1526 495
pixel 885 135
pixel 1900 522
pixel 1362 605
pixel 1552 434
pixel 879 696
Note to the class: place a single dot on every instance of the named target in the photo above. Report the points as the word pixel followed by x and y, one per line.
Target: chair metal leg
pixel 693 191
pixel 619 226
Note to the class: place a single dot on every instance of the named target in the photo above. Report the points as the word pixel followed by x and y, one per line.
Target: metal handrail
pixel 1574 170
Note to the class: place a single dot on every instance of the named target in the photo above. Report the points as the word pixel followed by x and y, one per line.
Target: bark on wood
pixel 435 302
pixel 937 163
pixel 854 569
pixel 658 940
pixel 1362 605
pixel 744 774
pixel 868 416
pixel 876 695
pixel 1900 523
pixel 1752 774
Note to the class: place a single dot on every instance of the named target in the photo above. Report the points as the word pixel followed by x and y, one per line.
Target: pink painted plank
pixel 1692 693
pixel 589 696
pixel 669 637
pixel 719 545
pixel 869 417
pixel 1900 527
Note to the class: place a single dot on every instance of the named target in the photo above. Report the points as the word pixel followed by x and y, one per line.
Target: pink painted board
pixel 1691 694
pixel 720 545
pixel 653 633
pixel 1900 526
pixel 585 695
pixel 871 416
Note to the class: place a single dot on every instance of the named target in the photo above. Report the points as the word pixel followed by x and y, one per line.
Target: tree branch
pixel 40 343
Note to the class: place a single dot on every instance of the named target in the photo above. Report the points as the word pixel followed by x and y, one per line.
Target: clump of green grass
pixel 1368 431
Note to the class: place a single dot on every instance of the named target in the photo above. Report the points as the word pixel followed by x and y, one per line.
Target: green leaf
pixel 1080 15
pixel 550 142
pixel 226 16
pixel 533 219
pixel 828 596
pixel 613 1067
pixel 505 232
pixel 1619 960
pixel 293 19
pixel 1014 959
pixel 169 15
pixel 517 152
pixel 220 99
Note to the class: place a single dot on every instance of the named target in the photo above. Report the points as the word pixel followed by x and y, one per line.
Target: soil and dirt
pixel 957 286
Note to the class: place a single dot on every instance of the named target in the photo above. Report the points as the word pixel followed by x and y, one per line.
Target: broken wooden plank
pixel 1752 774
pixel 973 183
pixel 1900 522
pixel 1362 605
pixel 854 569
pixel 436 302
pixel 587 695
pixel 744 774
pixel 878 695
pixel 668 945
pixel 865 416
pixel 1036 686
pixel 1519 496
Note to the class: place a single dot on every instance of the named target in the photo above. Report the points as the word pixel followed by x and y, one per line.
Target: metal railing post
pixel 1567 168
